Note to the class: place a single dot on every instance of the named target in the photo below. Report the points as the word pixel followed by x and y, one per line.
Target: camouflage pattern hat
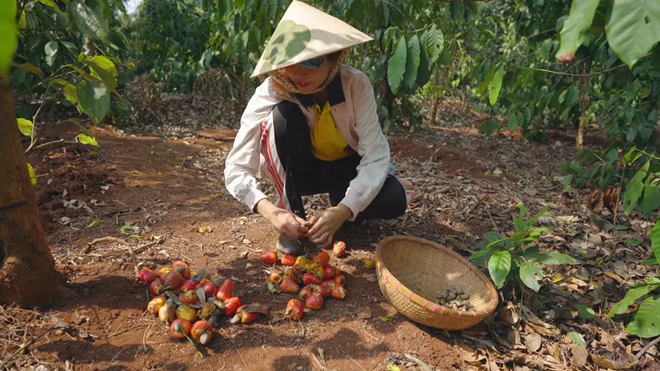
pixel 304 33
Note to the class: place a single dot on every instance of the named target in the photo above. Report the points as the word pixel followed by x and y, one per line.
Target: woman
pixel 311 127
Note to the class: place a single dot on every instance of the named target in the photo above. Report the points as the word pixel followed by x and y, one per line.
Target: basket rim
pixel 388 278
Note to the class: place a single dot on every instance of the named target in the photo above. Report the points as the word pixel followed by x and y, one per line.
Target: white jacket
pixel 254 151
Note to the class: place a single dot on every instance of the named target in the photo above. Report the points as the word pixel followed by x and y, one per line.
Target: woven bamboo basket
pixel 411 273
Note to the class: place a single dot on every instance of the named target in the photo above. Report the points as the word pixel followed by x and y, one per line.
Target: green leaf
pixel 538 215
pixel 481 90
pixel 396 66
pixel 33 176
pixel 519 225
pixel 553 258
pixel 70 92
pixel 655 240
pixel 633 28
pixel 650 262
pixel 631 296
pixel 434 42
pixel 84 139
pixel 634 189
pixel 412 61
pixel 51 4
pixel 585 311
pixel 574 32
pixel 90 18
pixel 632 243
pixel 424 71
pixel 489 127
pixel 651 199
pixel 479 254
pixel 523 210
pixel 647 319
pixel 530 252
pixel 495 86
pixel 9 32
pixel 104 69
pixel 392 367
pixel 577 338
pixel 528 275
pixel 386 319
pixel 94 224
pixel 272 288
pixel 26 127
pixel 513 123
pixel 29 67
pixel 94 99
pixel 51 50
pixel 499 266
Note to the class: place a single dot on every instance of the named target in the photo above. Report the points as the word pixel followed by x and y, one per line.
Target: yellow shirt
pixel 327 142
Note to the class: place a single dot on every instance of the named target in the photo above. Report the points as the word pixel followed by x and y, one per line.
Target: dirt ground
pixel 168 189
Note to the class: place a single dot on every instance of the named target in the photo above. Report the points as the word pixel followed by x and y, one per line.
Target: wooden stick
pixel 419 363
pixel 116 254
pixel 235 347
pixel 104 239
pixel 354 361
pixel 646 348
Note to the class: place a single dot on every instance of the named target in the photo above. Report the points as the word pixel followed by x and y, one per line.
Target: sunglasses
pixel 313 63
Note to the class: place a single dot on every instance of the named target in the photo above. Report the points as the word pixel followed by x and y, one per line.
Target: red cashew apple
pixel 225 291
pixel 314 301
pixel 188 286
pixel 183 269
pixel 288 260
pixel 305 292
pixel 179 328
pixel 156 287
pixel 231 306
pixel 339 293
pixel 269 257
pixel 147 275
pixel 290 286
pixel 174 280
pixel 323 290
pixel 339 248
pixel 308 278
pixel 201 332
pixel 294 309
pixel 323 258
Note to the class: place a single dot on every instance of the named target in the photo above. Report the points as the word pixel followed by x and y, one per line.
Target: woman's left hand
pixel 326 224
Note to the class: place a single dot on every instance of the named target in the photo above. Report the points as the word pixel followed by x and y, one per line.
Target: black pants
pixel 306 175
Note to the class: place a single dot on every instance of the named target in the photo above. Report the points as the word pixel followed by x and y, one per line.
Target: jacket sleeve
pixel 372 146
pixel 242 162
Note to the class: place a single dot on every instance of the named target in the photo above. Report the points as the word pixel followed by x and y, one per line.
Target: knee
pixel 396 197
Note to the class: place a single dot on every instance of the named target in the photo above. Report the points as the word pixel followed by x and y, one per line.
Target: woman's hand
pixel 287 224
pixel 325 225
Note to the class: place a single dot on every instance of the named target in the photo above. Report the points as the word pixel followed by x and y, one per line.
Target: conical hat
pixel 303 33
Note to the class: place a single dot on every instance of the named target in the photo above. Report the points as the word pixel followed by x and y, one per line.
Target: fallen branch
pixel 419 363
pixel 104 239
pixel 131 251
pixel 235 347
pixel 24 347
pixel 646 348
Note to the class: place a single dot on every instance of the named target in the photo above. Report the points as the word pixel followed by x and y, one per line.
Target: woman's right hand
pixel 287 224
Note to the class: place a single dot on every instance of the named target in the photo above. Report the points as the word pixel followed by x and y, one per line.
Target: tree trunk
pixel 27 268
pixel 584 102
pixel 434 109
